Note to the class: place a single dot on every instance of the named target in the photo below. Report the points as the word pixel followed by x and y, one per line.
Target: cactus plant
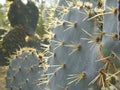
pixel 72 55
pixel 25 70
pixel 23 15
pixel 83 51
pixel 76 64
pixel 17 40
pixel 23 19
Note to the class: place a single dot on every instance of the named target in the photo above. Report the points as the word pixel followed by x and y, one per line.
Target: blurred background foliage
pixel 4 23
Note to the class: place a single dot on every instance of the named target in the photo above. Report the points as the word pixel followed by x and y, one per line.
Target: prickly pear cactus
pixel 110 29
pixel 84 50
pixel 25 70
pixel 15 38
pixel 23 15
pixel 18 39
pixel 23 19
pixel 110 42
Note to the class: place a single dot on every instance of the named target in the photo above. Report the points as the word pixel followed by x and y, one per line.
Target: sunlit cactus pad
pixel 24 71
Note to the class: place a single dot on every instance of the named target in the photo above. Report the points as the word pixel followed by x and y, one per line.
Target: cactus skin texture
pixel 23 15
pixel 24 71
pixel 80 65
pixel 23 19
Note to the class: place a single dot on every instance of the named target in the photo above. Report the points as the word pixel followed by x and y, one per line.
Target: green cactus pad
pixel 24 15
pixel 24 71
